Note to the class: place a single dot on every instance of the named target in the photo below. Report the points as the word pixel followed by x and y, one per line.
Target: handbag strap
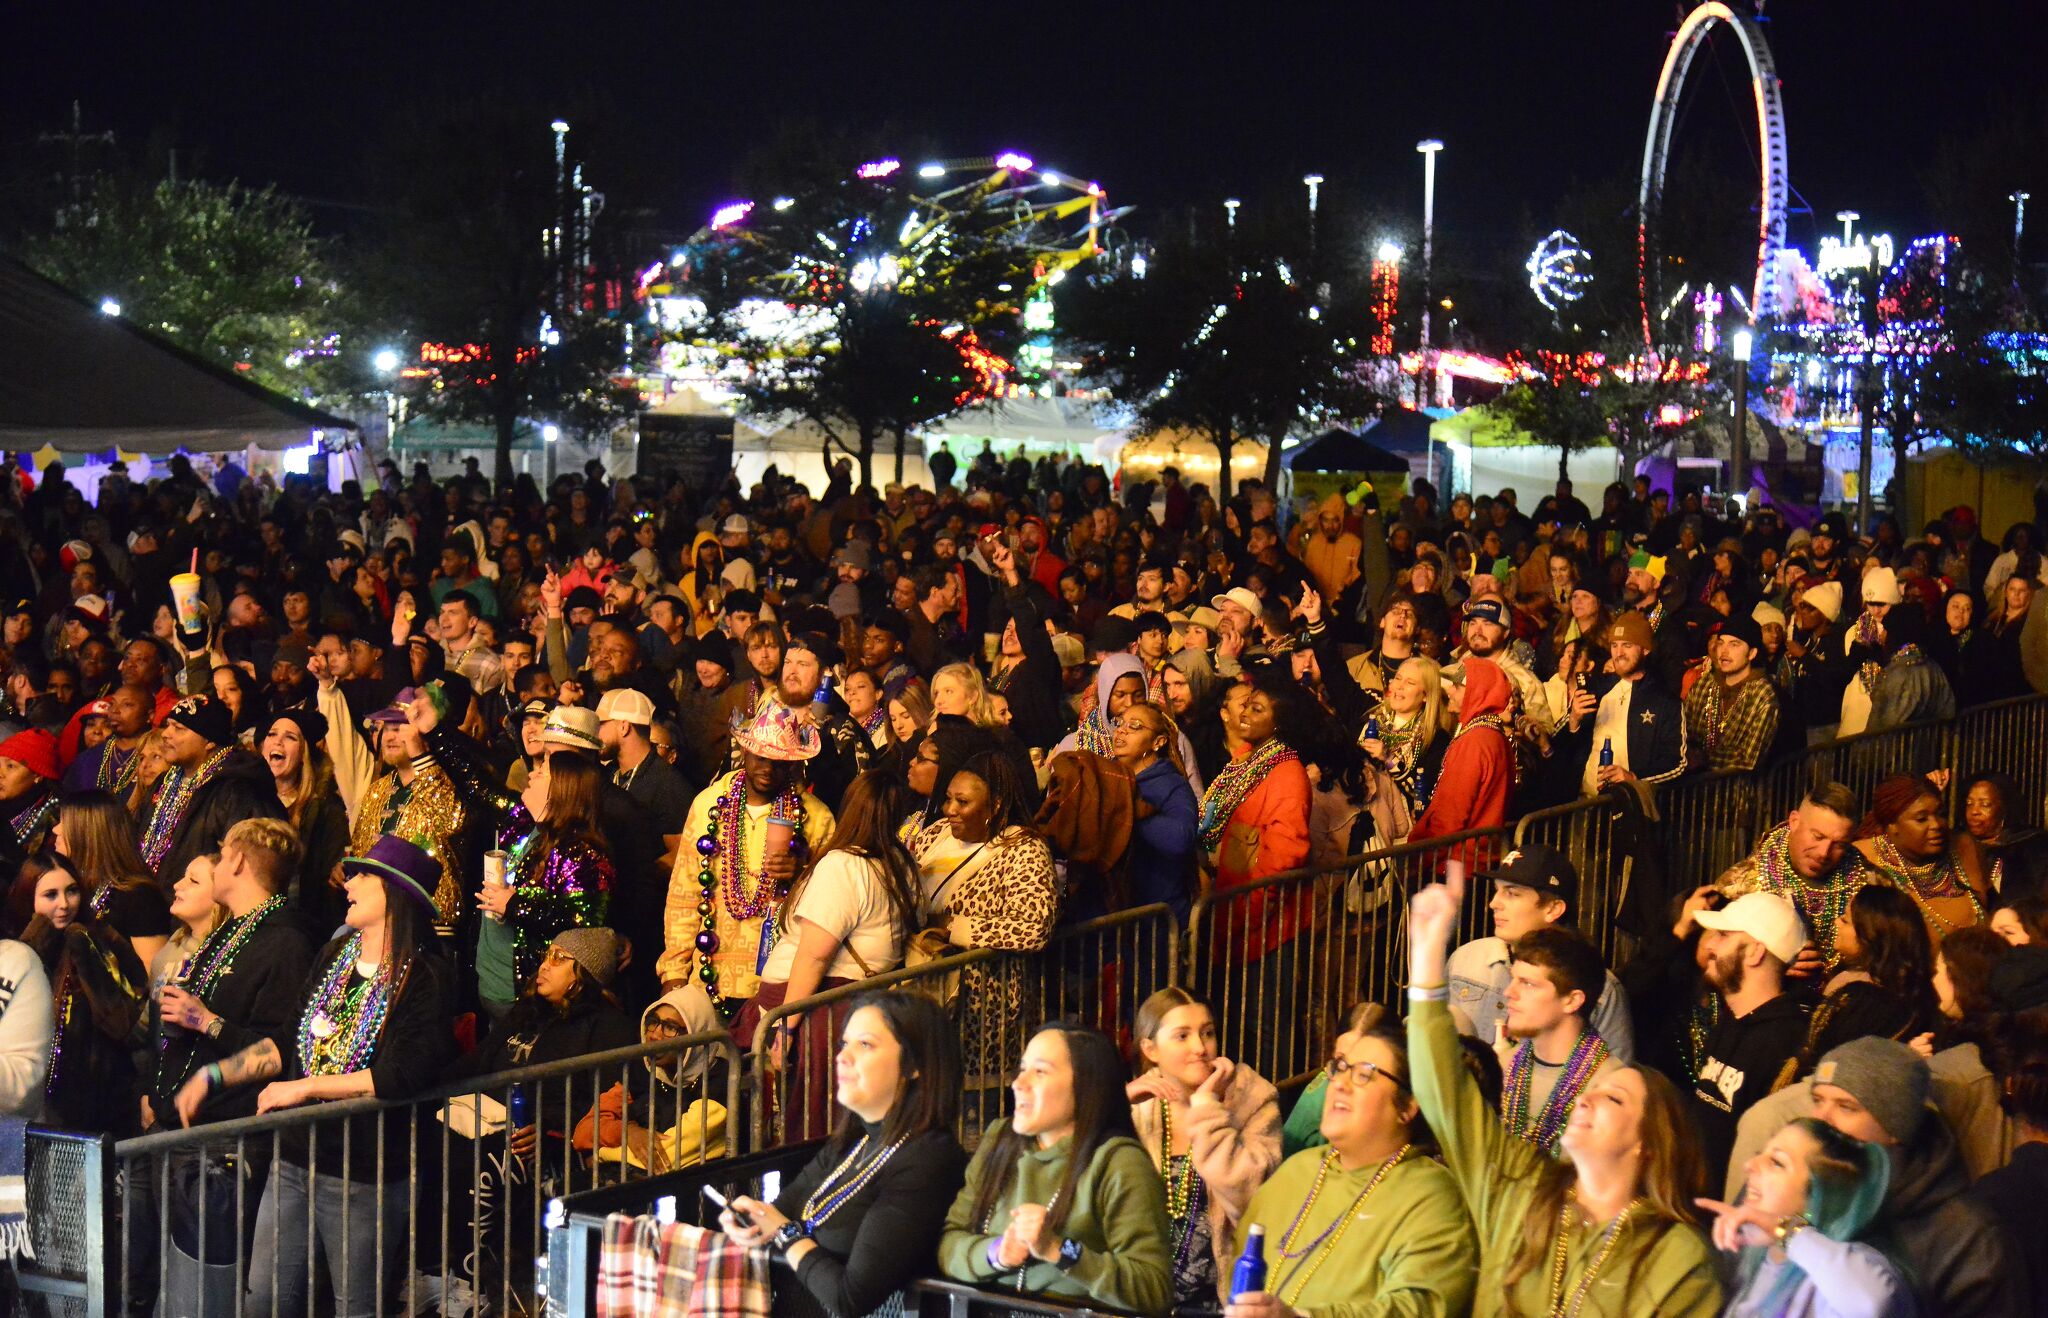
pixel 953 873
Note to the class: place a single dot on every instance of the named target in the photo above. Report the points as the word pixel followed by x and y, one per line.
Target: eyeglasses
pixel 1139 726
pixel 1359 1074
pixel 665 1029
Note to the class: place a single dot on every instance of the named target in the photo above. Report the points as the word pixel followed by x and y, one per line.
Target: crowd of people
pixel 446 778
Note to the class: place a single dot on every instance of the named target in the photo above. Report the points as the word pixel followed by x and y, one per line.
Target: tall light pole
pixel 1314 183
pixel 1230 205
pixel 1848 219
pixel 1866 392
pixel 560 128
pixel 1429 148
pixel 1739 344
pixel 2019 223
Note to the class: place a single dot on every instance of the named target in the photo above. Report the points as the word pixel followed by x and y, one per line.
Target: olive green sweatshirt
pixel 1118 1217
pixel 1409 1249
pixel 1654 1269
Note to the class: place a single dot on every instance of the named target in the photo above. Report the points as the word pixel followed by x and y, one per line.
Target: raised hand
pixel 1311 606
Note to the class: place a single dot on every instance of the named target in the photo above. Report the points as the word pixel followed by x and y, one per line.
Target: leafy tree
pixel 232 274
pixel 460 262
pixel 865 307
pixel 1217 334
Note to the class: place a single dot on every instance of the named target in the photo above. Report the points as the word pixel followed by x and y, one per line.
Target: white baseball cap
pixel 626 705
pixel 1239 596
pixel 1764 916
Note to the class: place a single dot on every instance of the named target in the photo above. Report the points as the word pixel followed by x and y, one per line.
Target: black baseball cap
pixel 1545 869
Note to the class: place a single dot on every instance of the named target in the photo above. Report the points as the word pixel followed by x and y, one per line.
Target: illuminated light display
pixel 879 168
pixel 1462 366
pixel 1559 270
pixel 731 213
pixel 1014 160
pixel 1386 298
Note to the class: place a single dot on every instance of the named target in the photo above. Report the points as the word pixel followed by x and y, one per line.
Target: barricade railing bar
pixel 431 1202
pixel 1094 972
pixel 1285 957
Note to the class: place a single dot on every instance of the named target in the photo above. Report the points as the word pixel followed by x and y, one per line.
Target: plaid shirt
pixel 1731 730
pixel 677 1271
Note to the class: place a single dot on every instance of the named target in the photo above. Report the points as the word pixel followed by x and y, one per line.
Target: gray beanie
pixel 1889 1079
pixel 596 950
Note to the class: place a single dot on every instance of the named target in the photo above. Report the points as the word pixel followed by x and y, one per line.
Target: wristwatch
pixel 791 1233
pixel 1070 1254
pixel 215 1026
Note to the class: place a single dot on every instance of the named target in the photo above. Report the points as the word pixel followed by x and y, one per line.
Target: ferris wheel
pixel 1770 117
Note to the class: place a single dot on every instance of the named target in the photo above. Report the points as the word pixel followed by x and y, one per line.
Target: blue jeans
pixel 280 1270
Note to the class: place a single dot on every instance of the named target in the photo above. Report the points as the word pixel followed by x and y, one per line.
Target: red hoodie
pixel 1046 569
pixel 1479 766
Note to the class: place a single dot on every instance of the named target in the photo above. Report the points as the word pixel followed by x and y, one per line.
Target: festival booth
pixel 1336 461
pixel 94 389
pixel 1141 457
pixel 1028 426
pixel 1484 453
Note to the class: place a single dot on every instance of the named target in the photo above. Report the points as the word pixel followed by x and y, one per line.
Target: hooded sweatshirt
pixel 695 590
pixel 1479 768
pixel 1946 1242
pixel 1333 563
pixel 684 1132
pixel 1093 734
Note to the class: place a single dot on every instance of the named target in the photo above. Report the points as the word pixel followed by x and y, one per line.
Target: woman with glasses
pixel 862 1220
pixel 1162 854
pixel 1213 1128
pixel 1369 1222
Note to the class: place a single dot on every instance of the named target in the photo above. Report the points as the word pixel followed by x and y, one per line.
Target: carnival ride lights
pixel 1664 114
pixel 1559 271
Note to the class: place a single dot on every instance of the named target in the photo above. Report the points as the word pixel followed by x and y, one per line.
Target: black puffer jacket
pixel 243 789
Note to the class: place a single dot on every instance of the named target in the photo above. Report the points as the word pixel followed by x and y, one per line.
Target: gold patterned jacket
pixel 429 809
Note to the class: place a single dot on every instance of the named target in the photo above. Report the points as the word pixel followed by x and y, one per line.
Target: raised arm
pixel 1475 1146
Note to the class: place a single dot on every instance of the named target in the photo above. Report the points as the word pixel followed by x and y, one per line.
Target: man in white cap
pixel 736 537
pixel 747 837
pixel 624 717
pixel 1746 949
pixel 1864 645
pixel 1237 629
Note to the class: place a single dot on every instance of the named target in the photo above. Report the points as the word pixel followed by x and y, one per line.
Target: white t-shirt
pixel 845 898
pixel 1610 723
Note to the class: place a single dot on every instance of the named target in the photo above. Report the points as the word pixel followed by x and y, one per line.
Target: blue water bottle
pixel 519 1112
pixel 1372 727
pixel 1249 1276
pixel 1607 752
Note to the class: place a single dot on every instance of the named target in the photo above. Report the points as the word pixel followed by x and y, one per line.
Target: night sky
pixel 1165 105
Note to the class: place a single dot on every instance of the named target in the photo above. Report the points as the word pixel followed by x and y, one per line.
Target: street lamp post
pixel 1230 205
pixel 1314 183
pixel 1740 343
pixel 1429 148
pixel 2019 223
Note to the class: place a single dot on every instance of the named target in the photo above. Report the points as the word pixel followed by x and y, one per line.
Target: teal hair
pixel 1846 1184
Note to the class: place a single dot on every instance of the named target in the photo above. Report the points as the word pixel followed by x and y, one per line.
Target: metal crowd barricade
pixel 454 1216
pixel 1586 832
pixel 1284 959
pixel 2010 736
pixel 1094 972
pixel 70 1190
pixel 1706 824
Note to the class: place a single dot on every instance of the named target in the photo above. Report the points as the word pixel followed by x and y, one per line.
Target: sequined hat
pixel 206 716
pixel 572 726
pixel 777 732
pixel 405 862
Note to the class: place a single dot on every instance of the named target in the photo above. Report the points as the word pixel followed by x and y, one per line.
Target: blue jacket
pixel 1162 863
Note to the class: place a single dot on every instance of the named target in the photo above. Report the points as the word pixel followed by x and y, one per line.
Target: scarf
pixel 1235 783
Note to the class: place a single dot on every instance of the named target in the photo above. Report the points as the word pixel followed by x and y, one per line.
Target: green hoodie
pixel 1118 1216
pixel 1668 1271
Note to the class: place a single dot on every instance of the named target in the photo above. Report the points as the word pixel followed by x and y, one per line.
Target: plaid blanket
pixel 646 1270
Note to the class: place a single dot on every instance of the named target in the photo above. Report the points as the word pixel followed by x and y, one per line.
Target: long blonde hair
pixel 980 710
pixel 1669 1174
pixel 1429 720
